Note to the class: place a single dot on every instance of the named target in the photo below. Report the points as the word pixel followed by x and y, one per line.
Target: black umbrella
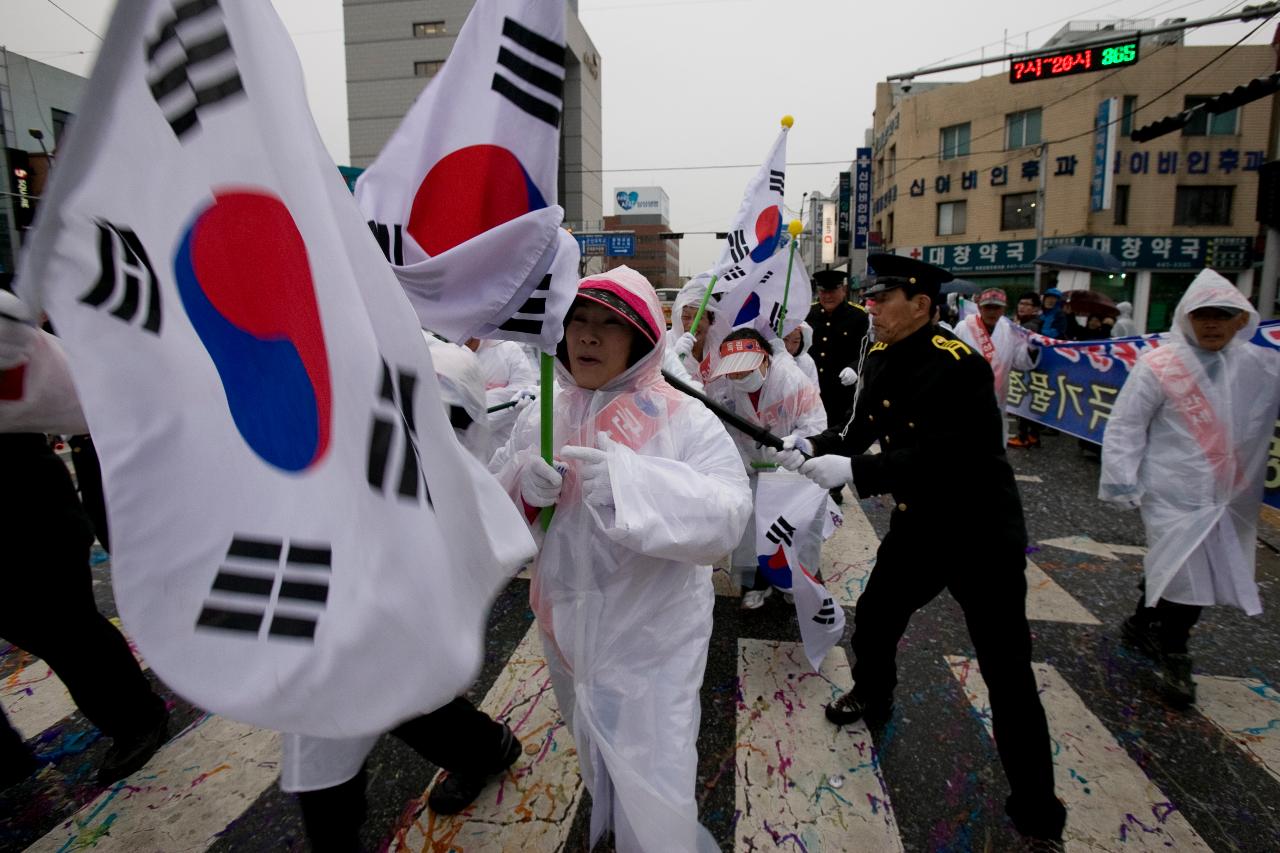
pixel 1075 257
pixel 960 286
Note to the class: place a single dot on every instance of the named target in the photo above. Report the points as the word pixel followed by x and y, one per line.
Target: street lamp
pixel 38 135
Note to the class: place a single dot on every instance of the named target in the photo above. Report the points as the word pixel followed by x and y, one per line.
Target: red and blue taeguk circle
pixel 768 233
pixel 245 282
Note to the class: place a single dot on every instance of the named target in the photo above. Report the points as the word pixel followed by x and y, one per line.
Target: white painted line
pixel 34 699
pixel 1111 804
pixel 531 809
pixel 1085 545
pixel 847 557
pixel 802 783
pixel 1248 711
pixel 187 793
pixel 1048 602
pixel 1027 478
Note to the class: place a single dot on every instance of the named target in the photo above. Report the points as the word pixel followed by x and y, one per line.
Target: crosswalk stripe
pixel 186 794
pixel 34 699
pixel 1048 602
pixel 1248 711
pixel 1111 804
pixel 802 783
pixel 532 808
pixel 847 557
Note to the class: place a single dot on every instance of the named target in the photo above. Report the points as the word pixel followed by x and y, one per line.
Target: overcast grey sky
pixel 697 83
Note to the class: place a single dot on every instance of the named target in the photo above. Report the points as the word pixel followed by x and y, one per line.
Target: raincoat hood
pixel 1125 309
pixel 806 339
pixel 631 296
pixel 1211 290
pixel 1053 291
pixel 690 294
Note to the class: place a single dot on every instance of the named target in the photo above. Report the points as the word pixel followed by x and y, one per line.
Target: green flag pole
pixel 794 229
pixel 547 363
pixel 706 297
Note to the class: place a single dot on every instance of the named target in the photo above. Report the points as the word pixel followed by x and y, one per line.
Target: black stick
pixel 761 435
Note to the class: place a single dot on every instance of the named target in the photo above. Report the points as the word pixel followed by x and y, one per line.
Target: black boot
pixel 456 790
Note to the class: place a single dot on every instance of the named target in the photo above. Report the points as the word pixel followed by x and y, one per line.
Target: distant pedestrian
pixel 991 334
pixel 1124 326
pixel 1053 320
pixel 1027 316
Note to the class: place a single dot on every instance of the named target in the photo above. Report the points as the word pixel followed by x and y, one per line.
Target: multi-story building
pixel 645 211
pixel 958 167
pixel 395 47
pixel 37 102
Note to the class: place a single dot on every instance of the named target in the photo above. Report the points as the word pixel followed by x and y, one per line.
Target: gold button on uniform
pixel 902 507
pixel 824 337
pixel 871 418
pixel 911 425
pixel 885 403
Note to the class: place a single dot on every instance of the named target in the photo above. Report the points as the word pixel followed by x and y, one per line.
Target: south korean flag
pixel 757 230
pixel 793 517
pixel 463 197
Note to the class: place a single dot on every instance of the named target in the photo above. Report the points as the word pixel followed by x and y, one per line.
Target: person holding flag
pixel 686 355
pixel 648 491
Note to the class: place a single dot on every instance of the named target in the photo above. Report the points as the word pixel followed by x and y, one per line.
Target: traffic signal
pixel 671 235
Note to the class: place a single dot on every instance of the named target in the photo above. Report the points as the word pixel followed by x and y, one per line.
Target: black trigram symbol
pixel 777 180
pixel 773 314
pixel 527 322
pixel 518 43
pixel 390 239
pixel 127 280
pixel 781 532
pixel 254 587
pixel 734 273
pixel 738 248
pixel 826 614
pixel 398 398
pixel 192 64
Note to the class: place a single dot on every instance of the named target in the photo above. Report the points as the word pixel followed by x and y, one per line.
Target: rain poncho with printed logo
pixel 788 403
pixel 623 594
pixel 1187 440
pixel 1005 349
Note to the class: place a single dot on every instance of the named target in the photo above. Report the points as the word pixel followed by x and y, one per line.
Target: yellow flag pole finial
pixel 787 121
pixel 795 227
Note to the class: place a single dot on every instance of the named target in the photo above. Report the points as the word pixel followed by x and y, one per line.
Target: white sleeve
pixel 672 364
pixel 1124 442
pixel 48 401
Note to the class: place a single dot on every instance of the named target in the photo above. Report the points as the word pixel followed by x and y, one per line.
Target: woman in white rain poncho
pixel 685 357
pixel 775 394
pixel 798 343
pixel 1187 441
pixel 651 493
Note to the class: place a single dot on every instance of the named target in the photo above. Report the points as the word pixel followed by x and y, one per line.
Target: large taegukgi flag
pixel 463 197
pixel 756 232
pixel 299 541
pixel 762 296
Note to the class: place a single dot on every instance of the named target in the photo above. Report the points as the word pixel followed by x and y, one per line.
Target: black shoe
pixel 848 709
pixel 456 791
pixel 837 495
pixel 1040 824
pixel 1141 637
pixel 1178 683
pixel 127 755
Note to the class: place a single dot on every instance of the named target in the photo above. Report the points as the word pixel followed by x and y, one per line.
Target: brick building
pixel 646 212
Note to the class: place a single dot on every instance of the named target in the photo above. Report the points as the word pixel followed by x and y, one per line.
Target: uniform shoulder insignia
pixel 879 345
pixel 861 308
pixel 951 345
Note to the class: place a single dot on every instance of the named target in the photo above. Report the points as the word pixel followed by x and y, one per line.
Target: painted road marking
pixel 1111 804
pixel 187 793
pixel 802 783
pixel 1048 602
pixel 847 557
pixel 533 806
pixel 34 699
pixel 1085 545
pixel 1027 478
pixel 1248 711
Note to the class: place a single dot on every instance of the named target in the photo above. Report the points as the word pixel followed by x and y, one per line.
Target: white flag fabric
pixel 757 229
pixel 298 540
pixel 757 299
pixel 463 196
pixel 792 517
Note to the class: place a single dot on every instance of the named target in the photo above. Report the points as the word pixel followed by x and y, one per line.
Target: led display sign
pixel 1078 61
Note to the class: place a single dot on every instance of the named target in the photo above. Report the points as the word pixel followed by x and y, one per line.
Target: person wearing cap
pixel 839 329
pixel 1187 443
pixel 775 394
pixel 648 491
pixel 1027 316
pixel 993 335
pixel 929 400
pixel 1053 320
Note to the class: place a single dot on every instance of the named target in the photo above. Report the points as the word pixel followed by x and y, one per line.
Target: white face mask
pixel 750 383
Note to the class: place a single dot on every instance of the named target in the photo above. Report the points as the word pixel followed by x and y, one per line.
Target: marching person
pixel 928 399
pixel 1187 443
pixel 508 378
pixel 1124 326
pixel 1053 320
pixel 798 342
pixel 992 334
pixel 1027 316
pixel 648 491
pixel 774 393
pixel 684 356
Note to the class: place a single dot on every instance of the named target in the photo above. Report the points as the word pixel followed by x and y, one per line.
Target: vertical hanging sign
pixel 1106 127
pixel 862 199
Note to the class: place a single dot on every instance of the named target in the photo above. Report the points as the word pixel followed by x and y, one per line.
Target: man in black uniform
pixel 929 400
pixel 838 330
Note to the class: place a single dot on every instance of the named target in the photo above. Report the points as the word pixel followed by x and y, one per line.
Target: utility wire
pixel 82 24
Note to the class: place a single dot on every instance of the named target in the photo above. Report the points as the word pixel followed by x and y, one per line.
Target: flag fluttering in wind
pixel 462 198
pixel 757 300
pixel 292 517
pixel 755 235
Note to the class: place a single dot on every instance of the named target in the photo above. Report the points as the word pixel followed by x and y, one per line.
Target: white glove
pixel 830 472
pixel 684 344
pixel 848 376
pixel 540 483
pixel 17 336
pixel 524 398
pixel 793 452
pixel 593 470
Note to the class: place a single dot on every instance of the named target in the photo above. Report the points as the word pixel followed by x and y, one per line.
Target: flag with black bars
pixel 755 233
pixel 462 198
pixel 793 517
pixel 227 315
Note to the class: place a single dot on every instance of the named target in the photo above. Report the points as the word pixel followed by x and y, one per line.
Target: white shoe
pixel 753 599
pixel 788 598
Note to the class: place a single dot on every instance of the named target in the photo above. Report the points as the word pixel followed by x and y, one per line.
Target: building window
pixel 888 235
pixel 950 218
pixel 426 29
pixel 1203 206
pixel 1128 106
pixel 1206 124
pixel 427 69
pixel 61 118
pixel 1019 212
pixel 954 141
pixel 1120 204
pixel 1022 129
pixel 879 173
pixel 893 160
